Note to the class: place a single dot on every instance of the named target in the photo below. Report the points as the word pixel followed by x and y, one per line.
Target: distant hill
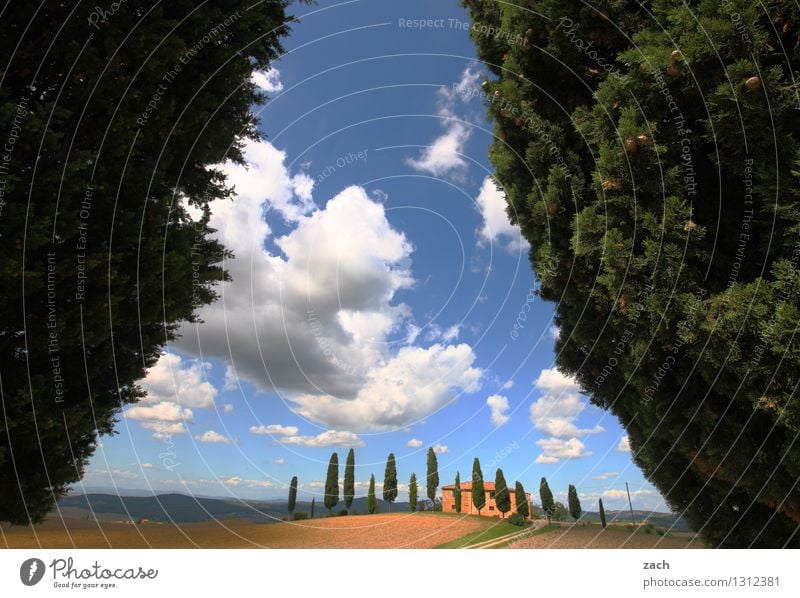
pixel 181 508
pixel 665 520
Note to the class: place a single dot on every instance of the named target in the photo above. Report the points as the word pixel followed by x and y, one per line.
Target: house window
pixel 491 508
pixel 491 495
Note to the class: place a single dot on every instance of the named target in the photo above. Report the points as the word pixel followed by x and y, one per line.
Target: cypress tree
pixel 390 481
pixel 313 504
pixel 573 502
pixel 106 231
pixel 608 172
pixel 371 502
pixel 546 496
pixel 502 498
pixel 602 514
pixel 412 492
pixel 432 479
pixel 332 483
pixel 349 480
pixel 522 500
pixel 457 493
pixel 292 495
pixel 478 490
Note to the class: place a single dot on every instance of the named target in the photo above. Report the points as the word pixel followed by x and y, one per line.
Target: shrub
pixel 343 513
pixel 300 516
pixel 517 519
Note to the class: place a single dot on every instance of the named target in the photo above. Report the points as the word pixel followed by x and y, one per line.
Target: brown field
pixel 401 530
pixel 611 537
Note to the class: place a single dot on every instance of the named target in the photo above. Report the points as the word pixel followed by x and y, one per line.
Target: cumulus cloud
pixel 311 313
pixel 174 387
pixel 606 475
pixel 236 482
pixel 227 408
pixel 496 228
pixel 509 384
pixel 561 403
pixel 268 81
pixel 617 494
pixel 441 449
pixel 499 408
pixel 274 430
pixel 325 439
pixel 414 443
pixel 408 387
pixel 212 437
pixel 556 449
pixel 280 461
pixel 624 445
pixel 445 155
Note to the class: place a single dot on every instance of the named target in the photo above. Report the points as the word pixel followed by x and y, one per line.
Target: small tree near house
pixel 522 501
pixel 546 496
pixel 573 502
pixel 432 479
pixel 501 496
pixel 457 493
pixel 478 491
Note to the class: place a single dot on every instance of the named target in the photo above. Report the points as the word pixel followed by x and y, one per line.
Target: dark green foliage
pixel 637 172
pixel 342 513
pixel 602 513
pixel 412 492
pixel 100 201
pixel 390 481
pixel 457 493
pixel 517 519
pixel 523 508
pixel 478 490
pixel 560 512
pixel 372 504
pixel 301 516
pixel 313 505
pixel 292 495
pixel 502 498
pixel 574 503
pixel 546 496
pixel 332 483
pixel 432 479
pixel 349 479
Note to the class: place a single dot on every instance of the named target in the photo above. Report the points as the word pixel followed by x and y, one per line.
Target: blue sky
pixel 380 298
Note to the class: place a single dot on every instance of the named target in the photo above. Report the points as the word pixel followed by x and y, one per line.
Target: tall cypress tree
pixel 372 504
pixel 546 496
pixel 478 490
pixel 573 502
pixel 313 504
pixel 602 514
pixel 432 479
pixel 457 493
pixel 502 498
pixel 292 495
pixel 390 481
pixel 332 483
pixel 412 492
pixel 608 172
pixel 349 479
pixel 109 230
pixel 523 508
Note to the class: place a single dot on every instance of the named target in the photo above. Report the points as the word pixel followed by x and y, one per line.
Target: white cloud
pixel 619 494
pixel 146 466
pixel 408 387
pixel 236 482
pixel 491 202
pixel 445 155
pixel 268 81
pixel 606 475
pixel 414 443
pixel 280 461
pixel 624 445
pixel 173 388
pixel 499 407
pixel 227 408
pixel 327 438
pixel 508 385
pixel 311 313
pixel 213 437
pixel 556 449
pixel 231 381
pixel 440 449
pixel 561 402
pixel 274 430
